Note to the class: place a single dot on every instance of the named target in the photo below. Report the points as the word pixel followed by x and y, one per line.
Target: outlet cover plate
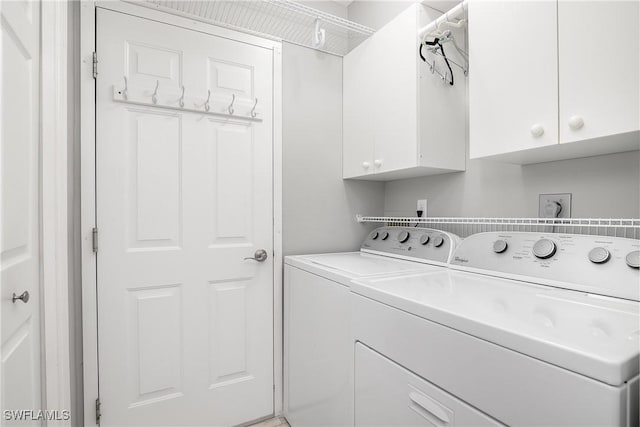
pixel 564 199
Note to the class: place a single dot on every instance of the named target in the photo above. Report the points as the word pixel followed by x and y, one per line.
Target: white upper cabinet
pixel 599 43
pixel 399 119
pixel 513 78
pixel 553 80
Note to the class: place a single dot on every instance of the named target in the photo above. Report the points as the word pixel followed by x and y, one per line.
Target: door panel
pixel 603 93
pixel 513 81
pixel 185 323
pixel 20 216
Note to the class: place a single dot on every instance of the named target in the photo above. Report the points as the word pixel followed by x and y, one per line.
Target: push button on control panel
pixel 499 246
pixel 403 236
pixel 544 248
pixel 599 255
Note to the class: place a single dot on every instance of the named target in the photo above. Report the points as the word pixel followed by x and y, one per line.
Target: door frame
pixel 88 182
pixel 54 199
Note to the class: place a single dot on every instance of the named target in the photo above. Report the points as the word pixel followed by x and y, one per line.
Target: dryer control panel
pixel 417 244
pixel 594 264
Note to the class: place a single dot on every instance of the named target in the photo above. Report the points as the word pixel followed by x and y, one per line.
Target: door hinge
pixel 98 413
pixel 95 65
pixel 94 237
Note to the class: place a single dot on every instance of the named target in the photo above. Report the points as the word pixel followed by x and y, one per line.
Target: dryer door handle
pixel 429 405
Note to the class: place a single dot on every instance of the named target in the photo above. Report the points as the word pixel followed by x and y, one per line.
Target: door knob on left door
pixel 24 297
pixel 260 256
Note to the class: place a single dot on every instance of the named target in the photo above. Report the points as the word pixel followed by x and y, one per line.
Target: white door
pixel 20 251
pixel 185 323
pixel 598 97
pixel 513 82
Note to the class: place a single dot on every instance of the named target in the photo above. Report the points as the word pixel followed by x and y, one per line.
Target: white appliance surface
pixel 317 335
pixel 596 336
pixel 515 308
pixel 343 267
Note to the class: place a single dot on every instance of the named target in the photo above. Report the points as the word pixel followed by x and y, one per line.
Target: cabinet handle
pixel 378 163
pixel 365 165
pixel 537 130
pixel 576 122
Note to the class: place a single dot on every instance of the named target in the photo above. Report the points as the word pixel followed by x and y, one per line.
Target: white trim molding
pixel 54 184
pixel 88 194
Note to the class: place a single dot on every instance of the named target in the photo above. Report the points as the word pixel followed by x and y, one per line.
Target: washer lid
pixel 593 335
pixel 350 265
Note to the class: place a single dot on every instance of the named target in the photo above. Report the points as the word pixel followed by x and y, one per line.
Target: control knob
pixel 544 248
pixel 403 236
pixel 438 241
pixel 384 236
pixel 374 235
pixel 424 239
pixel 499 246
pixel 633 259
pixel 599 255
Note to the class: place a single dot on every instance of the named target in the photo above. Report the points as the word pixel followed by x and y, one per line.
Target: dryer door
pixel 388 395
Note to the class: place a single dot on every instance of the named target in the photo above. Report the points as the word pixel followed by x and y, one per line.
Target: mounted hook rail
pixel 240 109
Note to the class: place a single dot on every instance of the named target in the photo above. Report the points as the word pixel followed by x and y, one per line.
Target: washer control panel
pixel 419 244
pixel 596 264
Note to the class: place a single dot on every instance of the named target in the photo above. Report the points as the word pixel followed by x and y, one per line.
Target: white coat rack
pixel 209 103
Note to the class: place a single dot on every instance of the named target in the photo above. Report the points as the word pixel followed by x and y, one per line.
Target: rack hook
pixel 154 97
pixel 233 99
pixel 125 91
pixel 181 102
pixel 319 35
pixel 206 103
pixel 253 110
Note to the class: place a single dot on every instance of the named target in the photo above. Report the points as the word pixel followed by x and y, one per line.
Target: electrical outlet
pixel 422 206
pixel 554 205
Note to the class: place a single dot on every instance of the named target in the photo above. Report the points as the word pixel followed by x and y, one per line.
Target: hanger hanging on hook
pixel 436 42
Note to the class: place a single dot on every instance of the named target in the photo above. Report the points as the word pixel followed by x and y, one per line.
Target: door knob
pixel 24 297
pixel 260 256
pixel 378 163
pixel 576 122
pixel 537 130
pixel 365 165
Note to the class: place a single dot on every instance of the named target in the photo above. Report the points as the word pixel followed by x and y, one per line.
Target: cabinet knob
pixel 537 130
pixel 378 163
pixel 576 122
pixel 365 165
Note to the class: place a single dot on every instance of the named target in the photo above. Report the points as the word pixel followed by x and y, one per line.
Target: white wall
pixel 375 14
pixel 319 208
pixel 604 186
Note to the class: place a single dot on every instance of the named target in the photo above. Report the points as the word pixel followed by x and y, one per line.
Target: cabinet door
pixel 513 80
pixel 395 89
pixel 358 121
pixel 599 45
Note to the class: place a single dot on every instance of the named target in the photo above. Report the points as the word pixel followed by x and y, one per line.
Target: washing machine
pixel 318 344
pixel 524 329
